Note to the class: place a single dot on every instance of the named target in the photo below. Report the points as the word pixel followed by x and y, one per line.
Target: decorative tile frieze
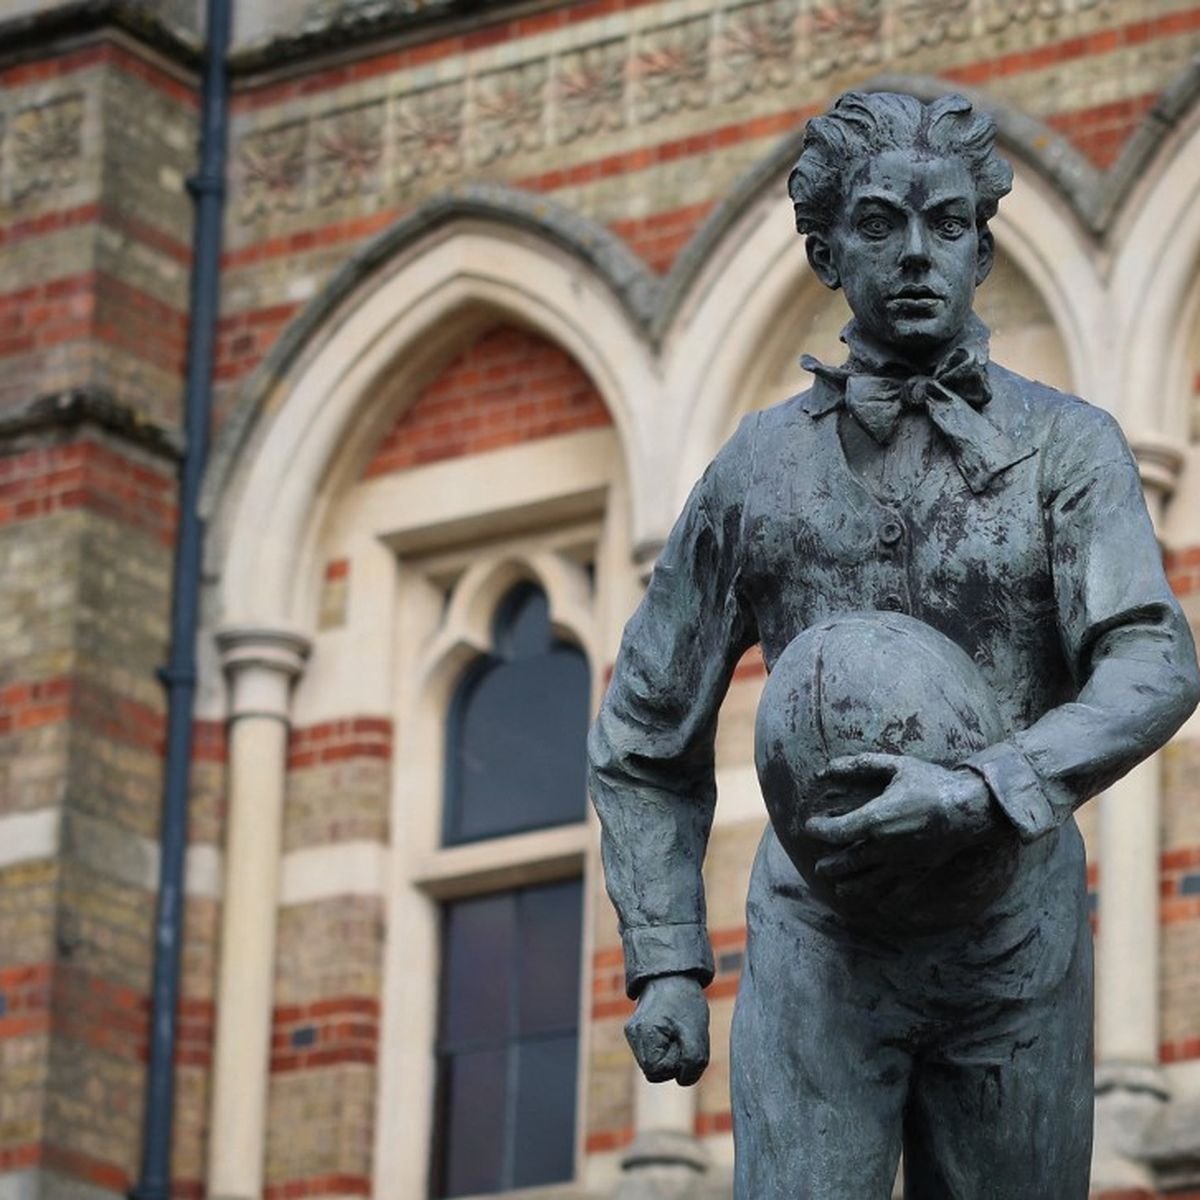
pixel 45 147
pixel 272 167
pixel 428 135
pixel 671 68
pixel 348 146
pixel 758 46
pixel 843 34
pixel 998 15
pixel 509 112
pixel 409 135
pixel 590 89
pixel 932 22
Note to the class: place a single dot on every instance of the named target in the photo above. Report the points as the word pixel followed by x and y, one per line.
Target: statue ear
pixel 985 255
pixel 820 258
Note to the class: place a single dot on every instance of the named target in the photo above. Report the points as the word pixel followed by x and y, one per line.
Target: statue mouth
pixel 912 295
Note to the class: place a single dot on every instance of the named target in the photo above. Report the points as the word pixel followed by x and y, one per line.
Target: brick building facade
pixel 496 284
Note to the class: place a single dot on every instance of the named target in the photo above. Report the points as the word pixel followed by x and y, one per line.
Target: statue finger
pixel 853 767
pixel 860 857
pixel 654 1047
pixel 693 1052
pixel 843 829
pixel 691 1069
pixel 663 1065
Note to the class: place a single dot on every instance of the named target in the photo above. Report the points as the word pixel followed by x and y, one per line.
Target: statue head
pixel 895 196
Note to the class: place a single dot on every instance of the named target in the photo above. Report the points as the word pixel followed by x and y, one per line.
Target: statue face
pixel 906 250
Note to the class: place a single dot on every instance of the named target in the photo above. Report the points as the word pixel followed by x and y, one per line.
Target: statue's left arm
pixel 1126 640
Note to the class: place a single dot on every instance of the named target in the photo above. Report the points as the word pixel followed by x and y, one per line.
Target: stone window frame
pixel 445 606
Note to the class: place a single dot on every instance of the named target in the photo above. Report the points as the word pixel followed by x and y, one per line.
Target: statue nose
pixel 915 251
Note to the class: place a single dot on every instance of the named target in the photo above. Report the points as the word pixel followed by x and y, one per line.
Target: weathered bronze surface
pixel 958 593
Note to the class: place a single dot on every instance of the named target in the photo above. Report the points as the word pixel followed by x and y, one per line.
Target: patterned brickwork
pixel 1101 132
pixel 86 527
pixel 90 476
pixel 508 386
pixel 324 1048
pixel 658 238
pixel 339 774
pixel 95 228
pixel 329 949
pixel 342 1029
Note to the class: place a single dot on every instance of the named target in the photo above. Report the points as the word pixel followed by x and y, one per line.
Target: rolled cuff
pixel 1017 789
pixel 666 950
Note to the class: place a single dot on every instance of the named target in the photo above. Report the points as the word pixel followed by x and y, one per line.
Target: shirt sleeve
pixel 1124 635
pixel 651 748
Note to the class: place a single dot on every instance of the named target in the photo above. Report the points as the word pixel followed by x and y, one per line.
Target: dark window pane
pixel 544 1142
pixel 549 919
pixel 478 946
pixel 523 624
pixel 471 1152
pixel 516 738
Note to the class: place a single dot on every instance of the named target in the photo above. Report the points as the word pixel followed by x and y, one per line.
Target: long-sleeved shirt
pixel 1051 578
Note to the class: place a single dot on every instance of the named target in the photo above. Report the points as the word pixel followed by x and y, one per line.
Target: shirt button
pixel 893 602
pixel 890 532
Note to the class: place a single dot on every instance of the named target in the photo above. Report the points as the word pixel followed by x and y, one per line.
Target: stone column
pixel 1130 1087
pixel 261 665
pixel 666 1156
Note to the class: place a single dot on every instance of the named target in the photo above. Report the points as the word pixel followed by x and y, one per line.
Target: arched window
pixel 514 757
pixel 508 1013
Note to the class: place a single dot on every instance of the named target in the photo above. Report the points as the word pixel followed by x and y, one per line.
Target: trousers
pixel 969 1049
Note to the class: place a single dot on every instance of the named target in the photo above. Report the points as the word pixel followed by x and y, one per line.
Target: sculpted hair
pixel 863 124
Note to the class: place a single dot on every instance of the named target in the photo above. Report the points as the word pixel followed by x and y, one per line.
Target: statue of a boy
pixel 916 479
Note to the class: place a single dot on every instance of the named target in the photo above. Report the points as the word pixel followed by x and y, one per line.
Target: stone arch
pixel 1153 279
pixel 1147 144
pixel 301 430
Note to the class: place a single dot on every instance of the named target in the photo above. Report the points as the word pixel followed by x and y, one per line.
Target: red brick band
pixel 601 1141
pixel 318 1185
pixel 332 1032
pixel 336 741
pixel 96 478
pixel 106 54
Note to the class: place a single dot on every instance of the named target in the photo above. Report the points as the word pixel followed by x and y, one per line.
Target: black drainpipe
pixel 179 675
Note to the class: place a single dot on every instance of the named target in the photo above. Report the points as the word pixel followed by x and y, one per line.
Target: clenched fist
pixel 669 1032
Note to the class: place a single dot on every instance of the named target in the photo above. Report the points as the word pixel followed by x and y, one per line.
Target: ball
pixel 886 683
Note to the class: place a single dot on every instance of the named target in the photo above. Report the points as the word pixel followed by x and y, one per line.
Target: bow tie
pixel 952 395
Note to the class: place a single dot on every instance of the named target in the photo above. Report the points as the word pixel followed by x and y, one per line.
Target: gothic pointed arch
pixel 477 259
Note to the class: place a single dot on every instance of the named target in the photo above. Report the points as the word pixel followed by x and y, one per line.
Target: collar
pixel 868 357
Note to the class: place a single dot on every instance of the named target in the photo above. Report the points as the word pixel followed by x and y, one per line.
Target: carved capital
pixel 261 664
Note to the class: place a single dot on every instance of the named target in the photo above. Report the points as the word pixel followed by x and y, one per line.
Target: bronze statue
pixel 960 600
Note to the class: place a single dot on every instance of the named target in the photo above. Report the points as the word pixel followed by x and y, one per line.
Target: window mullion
pixel 509 1167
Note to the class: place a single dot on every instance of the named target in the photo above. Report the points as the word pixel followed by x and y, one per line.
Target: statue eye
pixel 875 227
pixel 951 227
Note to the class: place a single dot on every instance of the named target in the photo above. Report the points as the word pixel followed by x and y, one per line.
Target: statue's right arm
pixel 651 747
